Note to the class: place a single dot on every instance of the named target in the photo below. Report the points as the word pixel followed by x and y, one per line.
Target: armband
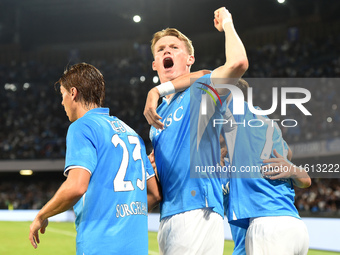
pixel 166 88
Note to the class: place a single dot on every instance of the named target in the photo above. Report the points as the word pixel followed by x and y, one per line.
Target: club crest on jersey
pixel 175 116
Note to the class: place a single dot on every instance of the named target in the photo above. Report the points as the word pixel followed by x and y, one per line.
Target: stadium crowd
pixel 321 199
pixel 24 195
pixel 34 124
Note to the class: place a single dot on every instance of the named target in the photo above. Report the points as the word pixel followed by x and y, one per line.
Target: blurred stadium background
pixel 293 39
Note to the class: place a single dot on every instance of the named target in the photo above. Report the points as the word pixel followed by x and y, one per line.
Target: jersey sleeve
pixel 204 86
pixel 223 97
pixel 80 152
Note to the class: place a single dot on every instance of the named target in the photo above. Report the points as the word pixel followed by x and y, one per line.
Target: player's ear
pixel 73 92
pixel 153 66
pixel 191 60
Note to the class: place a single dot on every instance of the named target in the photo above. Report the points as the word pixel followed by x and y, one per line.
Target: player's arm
pixel 282 168
pixel 153 186
pixel 66 196
pixel 236 57
pixel 154 193
pixel 179 84
pixel 289 154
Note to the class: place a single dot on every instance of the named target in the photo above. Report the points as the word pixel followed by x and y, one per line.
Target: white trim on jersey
pixel 148 176
pixel 73 167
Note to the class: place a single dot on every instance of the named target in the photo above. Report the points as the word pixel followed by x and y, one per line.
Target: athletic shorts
pixel 195 232
pixel 280 235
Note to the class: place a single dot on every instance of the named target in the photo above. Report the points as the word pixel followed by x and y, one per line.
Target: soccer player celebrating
pixel 260 204
pixel 107 173
pixel 192 208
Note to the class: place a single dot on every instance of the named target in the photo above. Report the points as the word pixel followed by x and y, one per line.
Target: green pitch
pixel 60 239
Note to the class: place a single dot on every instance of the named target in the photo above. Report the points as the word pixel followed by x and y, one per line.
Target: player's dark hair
pixel 89 82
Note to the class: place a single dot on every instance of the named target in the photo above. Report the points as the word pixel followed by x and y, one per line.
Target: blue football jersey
pixel 251 139
pixel 111 217
pixel 186 147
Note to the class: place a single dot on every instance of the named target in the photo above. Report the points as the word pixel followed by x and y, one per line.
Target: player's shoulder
pixel 123 127
pixel 203 80
pixel 85 121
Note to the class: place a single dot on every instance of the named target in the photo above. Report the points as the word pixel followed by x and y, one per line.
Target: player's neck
pixel 84 109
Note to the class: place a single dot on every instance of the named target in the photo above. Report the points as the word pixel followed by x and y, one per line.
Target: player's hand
pixel 150 109
pixel 278 167
pixel 222 16
pixel 37 225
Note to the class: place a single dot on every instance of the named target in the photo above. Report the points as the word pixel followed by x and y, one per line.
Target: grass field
pixel 60 239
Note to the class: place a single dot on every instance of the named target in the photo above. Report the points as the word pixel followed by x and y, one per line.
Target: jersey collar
pixel 100 110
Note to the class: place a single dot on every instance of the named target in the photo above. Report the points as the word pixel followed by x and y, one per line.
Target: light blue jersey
pixel 238 233
pixel 251 139
pixel 188 141
pixel 111 217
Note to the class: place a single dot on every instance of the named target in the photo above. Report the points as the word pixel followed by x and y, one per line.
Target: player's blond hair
pixel 172 32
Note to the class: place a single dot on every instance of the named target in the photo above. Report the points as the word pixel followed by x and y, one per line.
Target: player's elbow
pixel 157 197
pixel 154 192
pixel 304 183
pixel 153 200
pixel 78 192
pixel 203 72
pixel 307 182
pixel 76 189
pixel 240 66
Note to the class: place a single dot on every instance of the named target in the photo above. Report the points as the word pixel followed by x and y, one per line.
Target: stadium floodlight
pixel 281 1
pixel 26 86
pixel 10 86
pixel 155 79
pixel 26 172
pixel 137 18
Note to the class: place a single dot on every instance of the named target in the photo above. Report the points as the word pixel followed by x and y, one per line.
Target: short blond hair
pixel 172 32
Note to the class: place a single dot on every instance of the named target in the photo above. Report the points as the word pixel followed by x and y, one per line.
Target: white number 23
pixel 119 183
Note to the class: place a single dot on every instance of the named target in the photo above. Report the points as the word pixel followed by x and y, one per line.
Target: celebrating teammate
pixel 262 202
pixel 107 173
pixel 192 208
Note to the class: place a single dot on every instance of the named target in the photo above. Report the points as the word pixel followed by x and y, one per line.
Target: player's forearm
pixel 153 201
pixel 63 200
pixel 154 194
pixel 236 59
pixel 185 81
pixel 236 56
pixel 181 83
pixel 301 178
